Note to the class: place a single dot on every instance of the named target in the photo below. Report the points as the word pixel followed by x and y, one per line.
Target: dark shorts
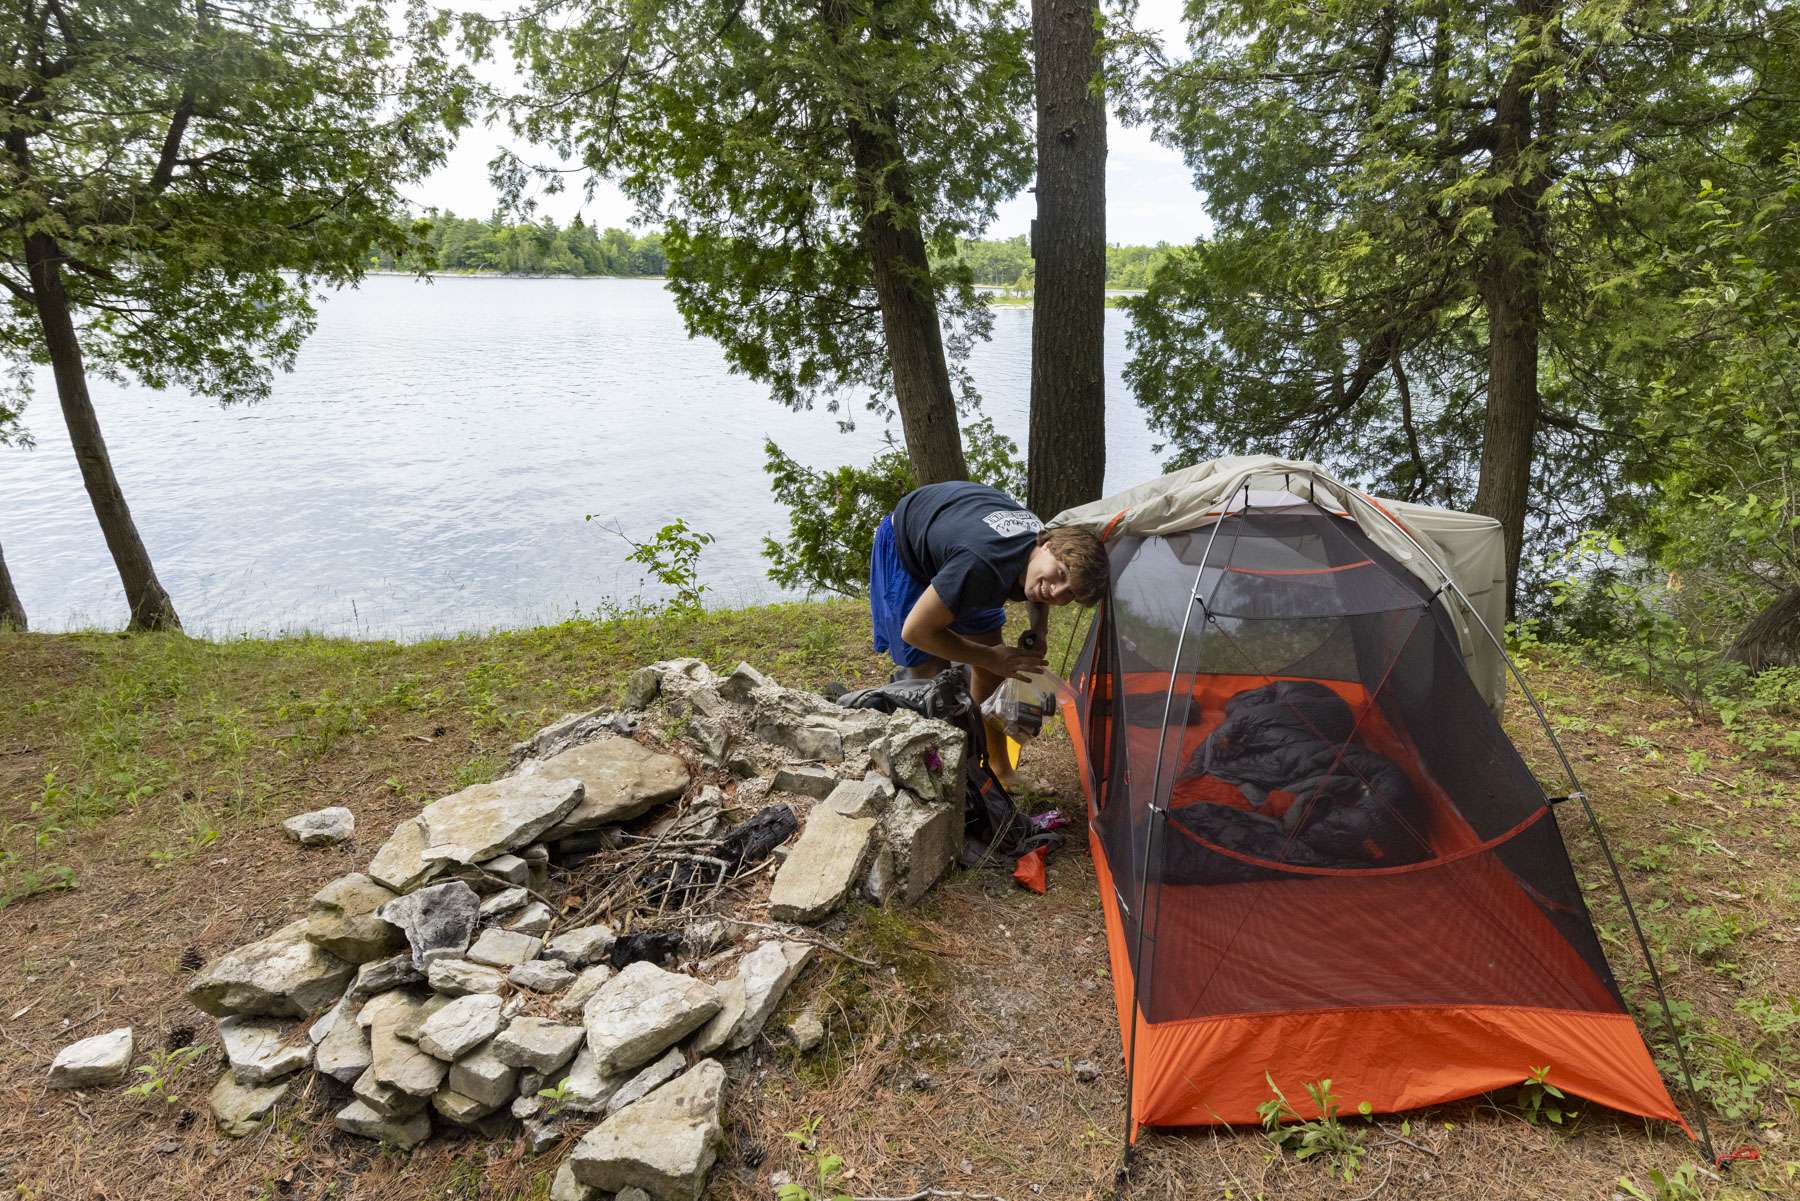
pixel 892 595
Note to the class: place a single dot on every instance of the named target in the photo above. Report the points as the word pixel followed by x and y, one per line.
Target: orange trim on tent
pixel 1210 1071
pixel 1300 570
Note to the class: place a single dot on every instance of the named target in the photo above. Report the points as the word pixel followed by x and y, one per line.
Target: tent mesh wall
pixel 1302 803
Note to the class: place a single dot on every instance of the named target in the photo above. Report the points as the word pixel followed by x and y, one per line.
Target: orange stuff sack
pixel 1029 871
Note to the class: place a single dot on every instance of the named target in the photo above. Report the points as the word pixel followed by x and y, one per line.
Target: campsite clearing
pixel 152 774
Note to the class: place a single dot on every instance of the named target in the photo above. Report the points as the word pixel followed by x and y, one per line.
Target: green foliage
pixel 734 127
pixel 201 171
pixel 672 557
pixel 823 1168
pixel 453 243
pixel 163 1073
pixel 832 515
pixel 1366 191
pixel 1538 1098
pixel 556 1098
pixel 1008 264
pixel 1683 1185
pixel 1324 1135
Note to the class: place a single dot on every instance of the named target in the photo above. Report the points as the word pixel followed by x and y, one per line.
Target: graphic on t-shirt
pixel 1008 522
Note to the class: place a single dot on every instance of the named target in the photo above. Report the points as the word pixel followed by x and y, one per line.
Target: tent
pixel 1319 854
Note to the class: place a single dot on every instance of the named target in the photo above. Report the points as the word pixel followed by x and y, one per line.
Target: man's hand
pixel 1012 662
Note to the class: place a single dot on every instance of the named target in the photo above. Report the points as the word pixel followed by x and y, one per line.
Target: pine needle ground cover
pixel 143 780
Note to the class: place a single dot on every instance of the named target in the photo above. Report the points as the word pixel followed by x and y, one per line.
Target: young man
pixel 945 563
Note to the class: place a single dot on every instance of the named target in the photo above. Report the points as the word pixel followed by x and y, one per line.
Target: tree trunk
pixel 1773 639
pixel 902 273
pixel 12 609
pixel 1067 447
pixel 1512 291
pixel 151 608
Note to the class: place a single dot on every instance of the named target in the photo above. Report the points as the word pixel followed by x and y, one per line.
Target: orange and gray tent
pixel 1318 852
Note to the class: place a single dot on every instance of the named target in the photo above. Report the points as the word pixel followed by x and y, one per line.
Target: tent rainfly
pixel 1319 855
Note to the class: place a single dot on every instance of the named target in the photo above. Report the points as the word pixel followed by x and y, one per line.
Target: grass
pixel 142 780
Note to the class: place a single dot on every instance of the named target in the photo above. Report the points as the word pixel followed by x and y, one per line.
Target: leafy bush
pixel 832 515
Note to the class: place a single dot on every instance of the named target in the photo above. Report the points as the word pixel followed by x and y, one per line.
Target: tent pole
pixel 1158 815
pixel 1587 806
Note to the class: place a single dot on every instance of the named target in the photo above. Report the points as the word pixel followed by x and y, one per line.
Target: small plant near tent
pixel 1324 1135
pixel 1683 1184
pixel 1538 1098
pixel 824 1168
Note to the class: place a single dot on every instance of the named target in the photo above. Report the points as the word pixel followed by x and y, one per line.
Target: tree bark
pixel 1512 292
pixel 151 608
pixel 903 288
pixel 1067 445
pixel 1773 639
pixel 12 609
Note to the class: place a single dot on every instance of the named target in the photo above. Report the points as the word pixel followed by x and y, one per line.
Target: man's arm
pixel 928 628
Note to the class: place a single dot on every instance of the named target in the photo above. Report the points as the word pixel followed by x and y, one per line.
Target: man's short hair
pixel 1082 554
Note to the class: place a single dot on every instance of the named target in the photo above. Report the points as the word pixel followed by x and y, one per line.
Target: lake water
pixel 428 465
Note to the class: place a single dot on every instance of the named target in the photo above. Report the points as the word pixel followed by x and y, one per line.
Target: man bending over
pixel 945 563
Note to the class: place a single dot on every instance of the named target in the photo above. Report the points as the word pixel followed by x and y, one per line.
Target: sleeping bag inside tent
pixel 1319 855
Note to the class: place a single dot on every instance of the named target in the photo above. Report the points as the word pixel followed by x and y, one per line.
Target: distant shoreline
pixel 477 273
pixel 1000 296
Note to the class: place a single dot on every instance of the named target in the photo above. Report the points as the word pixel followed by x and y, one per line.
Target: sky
pixel 1150 195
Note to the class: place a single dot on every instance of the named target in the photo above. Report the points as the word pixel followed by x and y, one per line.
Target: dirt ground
pixel 982 1059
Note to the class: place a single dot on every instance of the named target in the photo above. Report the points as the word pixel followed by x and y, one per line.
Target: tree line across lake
pixel 542 247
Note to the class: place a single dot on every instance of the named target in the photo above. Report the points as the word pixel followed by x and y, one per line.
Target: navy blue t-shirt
pixel 969 541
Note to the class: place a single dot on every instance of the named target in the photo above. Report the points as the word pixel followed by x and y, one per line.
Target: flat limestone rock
pixel 282 975
pixel 486 820
pixel 260 1050
pixel 867 797
pixel 400 864
pixel 383 974
pixel 665 1144
pixel 923 840
pixel 239 1109
pixel 587 1089
pixel 620 777
pixel 641 1012
pixel 397 1063
pixel 484 1077
pixel 385 1099
pixel 542 975
pixel 504 948
pixel 566 1188
pixel 344 1053
pixel 438 921
pixel 532 1042
pixel 406 1133
pixel 648 1079
pixel 93 1062
pixel 581 946
pixel 814 782
pixel 574 999
pixel 458 1108
pixel 823 865
pixel 460 1027
pixel 923 756
pixel 534 920
pixel 504 902
pixel 752 995
pixel 459 977
pixel 343 922
pixel 321 827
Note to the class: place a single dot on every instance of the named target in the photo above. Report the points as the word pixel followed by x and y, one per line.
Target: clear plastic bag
pixel 1019 707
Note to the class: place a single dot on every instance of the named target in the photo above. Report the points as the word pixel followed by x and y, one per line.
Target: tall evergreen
pixel 1416 202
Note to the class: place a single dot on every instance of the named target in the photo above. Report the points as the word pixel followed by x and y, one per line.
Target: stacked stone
pixel 435 985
